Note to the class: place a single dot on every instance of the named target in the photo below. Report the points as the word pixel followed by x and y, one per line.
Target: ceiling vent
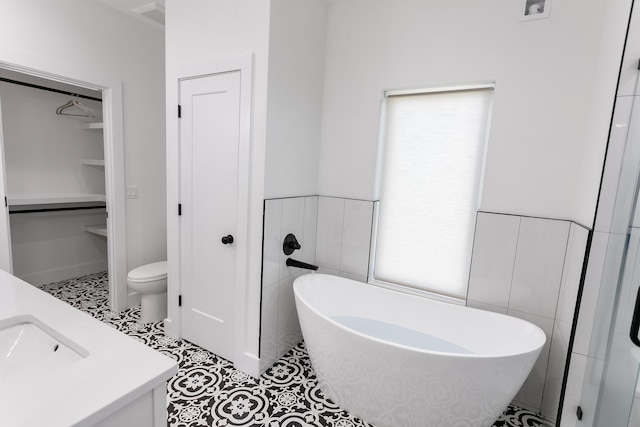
pixel 152 11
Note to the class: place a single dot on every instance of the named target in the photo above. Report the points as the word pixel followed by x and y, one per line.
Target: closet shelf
pixel 92 126
pixel 45 199
pixel 99 229
pixel 92 162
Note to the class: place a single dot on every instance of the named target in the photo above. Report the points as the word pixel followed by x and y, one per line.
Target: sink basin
pixel 29 349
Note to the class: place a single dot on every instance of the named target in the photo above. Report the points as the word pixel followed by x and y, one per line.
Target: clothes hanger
pixel 75 108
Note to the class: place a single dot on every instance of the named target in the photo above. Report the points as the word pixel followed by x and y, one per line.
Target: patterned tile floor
pixel 208 391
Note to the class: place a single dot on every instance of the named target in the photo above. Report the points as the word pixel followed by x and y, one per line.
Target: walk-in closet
pixel 54 176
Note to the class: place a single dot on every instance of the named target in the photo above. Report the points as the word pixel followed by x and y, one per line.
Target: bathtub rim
pixel 537 329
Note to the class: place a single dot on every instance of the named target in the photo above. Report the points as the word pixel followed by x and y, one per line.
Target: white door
pixel 209 149
pixel 6 263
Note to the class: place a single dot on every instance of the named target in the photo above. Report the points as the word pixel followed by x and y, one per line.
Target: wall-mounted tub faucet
pixel 295 263
pixel 290 244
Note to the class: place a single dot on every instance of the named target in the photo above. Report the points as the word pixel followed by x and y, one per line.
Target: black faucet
pixel 290 244
pixel 295 263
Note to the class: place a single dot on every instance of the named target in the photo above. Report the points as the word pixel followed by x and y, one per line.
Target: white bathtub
pixel 397 360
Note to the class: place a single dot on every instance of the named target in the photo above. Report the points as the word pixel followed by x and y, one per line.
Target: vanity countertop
pixel 116 371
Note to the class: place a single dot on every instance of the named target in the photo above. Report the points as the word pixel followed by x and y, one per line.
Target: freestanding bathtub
pixel 398 360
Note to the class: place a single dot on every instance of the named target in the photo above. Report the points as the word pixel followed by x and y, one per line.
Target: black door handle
pixel 635 321
pixel 227 240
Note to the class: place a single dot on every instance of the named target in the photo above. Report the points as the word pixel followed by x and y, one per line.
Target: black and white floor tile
pixel 208 391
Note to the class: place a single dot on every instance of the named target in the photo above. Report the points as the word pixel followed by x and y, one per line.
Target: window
pixel 430 181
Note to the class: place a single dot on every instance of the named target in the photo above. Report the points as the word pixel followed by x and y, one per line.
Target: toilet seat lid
pixel 149 272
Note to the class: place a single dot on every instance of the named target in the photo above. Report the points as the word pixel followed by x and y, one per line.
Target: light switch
pixel 132 192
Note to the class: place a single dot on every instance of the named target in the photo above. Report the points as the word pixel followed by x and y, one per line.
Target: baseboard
pixel 58 274
pixel 249 364
pixel 171 329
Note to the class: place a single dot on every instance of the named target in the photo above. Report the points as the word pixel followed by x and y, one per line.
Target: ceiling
pixel 150 12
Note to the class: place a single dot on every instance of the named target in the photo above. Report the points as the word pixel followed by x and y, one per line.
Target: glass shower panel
pixel 622 360
pixel 619 285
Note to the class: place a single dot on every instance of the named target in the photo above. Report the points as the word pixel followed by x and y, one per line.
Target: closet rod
pixel 73 208
pixel 4 79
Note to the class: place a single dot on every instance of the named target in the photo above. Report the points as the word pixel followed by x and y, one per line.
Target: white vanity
pixel 61 367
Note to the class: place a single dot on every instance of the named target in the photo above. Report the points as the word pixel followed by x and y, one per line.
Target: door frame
pixel 173 324
pixel 113 139
pixel 6 255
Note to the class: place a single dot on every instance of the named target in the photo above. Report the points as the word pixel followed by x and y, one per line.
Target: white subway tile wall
pixel 564 318
pixel 269 327
pixel 573 392
pixel 334 233
pixel 344 237
pixel 272 243
pixel 525 267
pixel 310 226
pixel 494 253
pixel 606 284
pixel 292 223
pixel 532 391
pixel 572 272
pixel 486 307
pixel 537 271
pixel 593 374
pixel 586 369
pixel 555 369
pixel 289 333
pixel 530 268
pixel 356 238
pixel 329 239
pixel 590 292
pixel 279 327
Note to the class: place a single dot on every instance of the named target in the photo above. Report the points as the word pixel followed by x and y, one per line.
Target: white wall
pixel 294 106
pixel 197 32
pixel 52 246
pixel 42 156
pixel 554 91
pixel 89 42
pixel 42 149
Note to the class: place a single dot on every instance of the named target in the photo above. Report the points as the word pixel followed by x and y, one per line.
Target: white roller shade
pixel 429 191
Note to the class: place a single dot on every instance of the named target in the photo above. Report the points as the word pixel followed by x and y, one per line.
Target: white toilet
pixel 150 281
